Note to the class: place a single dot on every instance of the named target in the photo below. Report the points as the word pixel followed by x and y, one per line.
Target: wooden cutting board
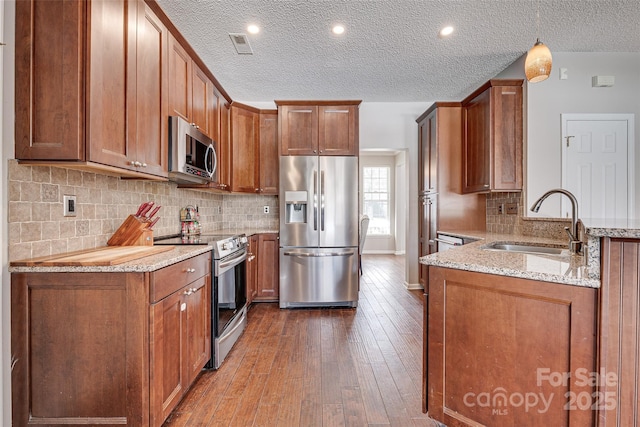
pixel 104 256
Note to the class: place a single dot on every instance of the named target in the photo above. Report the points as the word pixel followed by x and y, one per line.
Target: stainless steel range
pixel 229 290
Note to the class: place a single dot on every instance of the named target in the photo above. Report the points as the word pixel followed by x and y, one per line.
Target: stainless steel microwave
pixel 192 154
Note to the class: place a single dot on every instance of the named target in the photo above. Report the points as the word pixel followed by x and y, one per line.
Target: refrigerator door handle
pixel 322 200
pixel 318 254
pixel 315 201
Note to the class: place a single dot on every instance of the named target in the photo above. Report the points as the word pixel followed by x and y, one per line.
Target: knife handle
pixel 146 209
pixel 153 212
pixel 153 223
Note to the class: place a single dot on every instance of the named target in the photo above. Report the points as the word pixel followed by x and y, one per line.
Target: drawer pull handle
pixel 191 270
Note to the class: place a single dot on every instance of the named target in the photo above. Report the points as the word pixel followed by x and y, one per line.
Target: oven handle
pixel 229 264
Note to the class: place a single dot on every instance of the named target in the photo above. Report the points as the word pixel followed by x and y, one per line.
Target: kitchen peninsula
pixel 516 338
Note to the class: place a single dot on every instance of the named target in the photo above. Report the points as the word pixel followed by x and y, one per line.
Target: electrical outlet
pixel 500 208
pixel 512 208
pixel 265 209
pixel 69 205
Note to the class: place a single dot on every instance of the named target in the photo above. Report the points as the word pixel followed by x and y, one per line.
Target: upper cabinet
pixel 327 128
pixel 492 138
pixel 68 56
pixel 254 152
pixel 191 94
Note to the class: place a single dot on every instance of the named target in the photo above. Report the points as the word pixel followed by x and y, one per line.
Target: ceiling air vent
pixel 241 43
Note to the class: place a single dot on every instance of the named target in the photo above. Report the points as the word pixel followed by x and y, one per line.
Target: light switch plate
pixel 69 203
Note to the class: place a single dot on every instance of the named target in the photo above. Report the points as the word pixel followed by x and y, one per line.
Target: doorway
pixel 598 163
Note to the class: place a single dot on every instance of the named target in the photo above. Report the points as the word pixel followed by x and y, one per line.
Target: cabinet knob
pixel 191 270
pixel 144 165
pixel 314 151
pixel 486 186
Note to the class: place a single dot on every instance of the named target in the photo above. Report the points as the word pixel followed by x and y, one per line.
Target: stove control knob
pixel 244 239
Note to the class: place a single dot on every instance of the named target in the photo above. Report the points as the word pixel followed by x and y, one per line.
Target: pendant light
pixel 537 65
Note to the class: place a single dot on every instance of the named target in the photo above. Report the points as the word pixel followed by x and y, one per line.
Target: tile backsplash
pixel 37 226
pixel 517 223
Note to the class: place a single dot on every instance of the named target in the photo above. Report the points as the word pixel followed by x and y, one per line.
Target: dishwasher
pixel 447 241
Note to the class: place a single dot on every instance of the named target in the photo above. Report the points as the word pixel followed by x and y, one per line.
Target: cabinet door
pixel 268 272
pixel 112 64
pixel 50 49
pixel 490 335
pixel 476 144
pixel 427 227
pixel 252 269
pixel 224 156
pixel 268 153
pixel 151 105
pixel 507 138
pixel 428 155
pixel 245 174
pixel 180 85
pixel 167 354
pixel 198 327
pixel 201 85
pixel 338 131
pixel 298 130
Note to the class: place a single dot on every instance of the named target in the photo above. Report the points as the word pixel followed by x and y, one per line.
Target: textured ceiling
pixel 390 51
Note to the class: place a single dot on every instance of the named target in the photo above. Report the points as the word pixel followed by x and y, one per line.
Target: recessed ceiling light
pixel 446 31
pixel 253 29
pixel 337 29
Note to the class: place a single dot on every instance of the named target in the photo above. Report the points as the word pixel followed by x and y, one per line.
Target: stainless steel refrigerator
pixel 318 231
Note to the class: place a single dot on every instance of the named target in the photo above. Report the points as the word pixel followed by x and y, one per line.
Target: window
pixel 375 184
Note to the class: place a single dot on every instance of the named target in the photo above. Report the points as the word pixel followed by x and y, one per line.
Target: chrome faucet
pixel 575 245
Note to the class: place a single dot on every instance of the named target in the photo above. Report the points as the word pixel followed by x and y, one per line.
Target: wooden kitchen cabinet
pixel 108 348
pixel 269 162
pixel 245 134
pixel 327 128
pixel 68 56
pixel 492 138
pixel 180 340
pixel 191 91
pixel 440 202
pixel 494 340
pixel 268 273
pixel 254 152
pixel 619 344
pixel 252 269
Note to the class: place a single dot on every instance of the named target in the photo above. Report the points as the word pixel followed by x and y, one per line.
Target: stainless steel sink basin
pixel 528 249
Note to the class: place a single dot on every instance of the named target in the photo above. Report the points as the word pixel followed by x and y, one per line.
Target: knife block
pixel 133 231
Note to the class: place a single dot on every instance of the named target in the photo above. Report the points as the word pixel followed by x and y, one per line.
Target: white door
pixel 598 163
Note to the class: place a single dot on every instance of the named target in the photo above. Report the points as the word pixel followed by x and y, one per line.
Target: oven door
pixel 230 288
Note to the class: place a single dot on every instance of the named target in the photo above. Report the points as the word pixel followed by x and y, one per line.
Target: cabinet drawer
pixel 169 279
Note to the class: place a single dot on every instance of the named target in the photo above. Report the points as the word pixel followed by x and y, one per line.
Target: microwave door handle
pixel 206 160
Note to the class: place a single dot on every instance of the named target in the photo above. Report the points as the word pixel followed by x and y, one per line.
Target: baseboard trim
pixel 413 286
pixel 399 253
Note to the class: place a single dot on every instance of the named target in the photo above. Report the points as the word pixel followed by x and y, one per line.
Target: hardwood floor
pixel 322 367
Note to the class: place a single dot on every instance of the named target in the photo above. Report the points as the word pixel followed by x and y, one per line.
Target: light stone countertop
pixel 564 269
pixel 148 263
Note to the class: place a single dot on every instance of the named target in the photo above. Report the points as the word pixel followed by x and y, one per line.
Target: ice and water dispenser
pixel 295 207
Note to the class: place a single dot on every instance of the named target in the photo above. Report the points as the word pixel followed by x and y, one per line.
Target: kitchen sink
pixel 526 248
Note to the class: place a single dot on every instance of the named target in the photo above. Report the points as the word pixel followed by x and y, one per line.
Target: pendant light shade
pixel 537 65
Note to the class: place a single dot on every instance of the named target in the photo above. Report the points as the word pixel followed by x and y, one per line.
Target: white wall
pixel 547 100
pixel 7 30
pixel 392 125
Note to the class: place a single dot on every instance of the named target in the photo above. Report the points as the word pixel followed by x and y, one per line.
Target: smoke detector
pixel 241 43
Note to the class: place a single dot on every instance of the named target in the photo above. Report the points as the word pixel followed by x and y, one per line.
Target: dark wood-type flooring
pixel 321 367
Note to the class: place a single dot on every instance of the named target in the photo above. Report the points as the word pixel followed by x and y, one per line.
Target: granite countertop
pixel 565 269
pixel 148 263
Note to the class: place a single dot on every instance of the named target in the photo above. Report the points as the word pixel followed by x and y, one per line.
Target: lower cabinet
pixel 504 351
pixel 252 269
pixel 268 281
pixel 263 274
pixel 180 341
pixel 108 348
pixel 619 343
